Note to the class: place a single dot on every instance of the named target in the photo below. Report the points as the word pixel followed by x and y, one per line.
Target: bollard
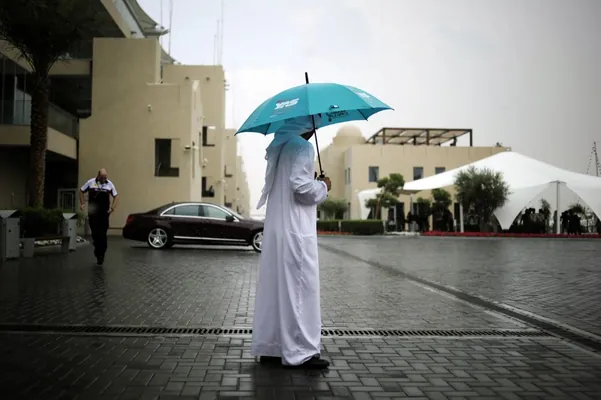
pixel 69 230
pixel 10 233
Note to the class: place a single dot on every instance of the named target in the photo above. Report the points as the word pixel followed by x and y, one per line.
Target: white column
pixel 558 218
pixel 461 218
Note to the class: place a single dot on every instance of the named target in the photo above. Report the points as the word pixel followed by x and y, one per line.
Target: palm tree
pixel 43 31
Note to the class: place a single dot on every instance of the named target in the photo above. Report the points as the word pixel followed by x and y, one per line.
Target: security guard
pixel 100 190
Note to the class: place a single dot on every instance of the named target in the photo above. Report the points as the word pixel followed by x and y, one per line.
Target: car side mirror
pixel 230 218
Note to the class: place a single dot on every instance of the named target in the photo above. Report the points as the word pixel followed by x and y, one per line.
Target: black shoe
pixel 270 360
pixel 313 363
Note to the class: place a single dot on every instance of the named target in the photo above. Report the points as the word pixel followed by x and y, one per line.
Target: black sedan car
pixel 193 223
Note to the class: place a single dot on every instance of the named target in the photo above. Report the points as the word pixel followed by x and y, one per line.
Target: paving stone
pixel 203 287
pixel 41 357
pixel 556 278
pixel 188 287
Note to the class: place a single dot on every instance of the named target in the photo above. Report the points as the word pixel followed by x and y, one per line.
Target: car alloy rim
pixel 258 240
pixel 157 238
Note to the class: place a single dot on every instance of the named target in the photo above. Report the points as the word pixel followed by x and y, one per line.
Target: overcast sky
pixel 526 73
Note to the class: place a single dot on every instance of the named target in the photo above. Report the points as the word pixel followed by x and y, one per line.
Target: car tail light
pixel 130 219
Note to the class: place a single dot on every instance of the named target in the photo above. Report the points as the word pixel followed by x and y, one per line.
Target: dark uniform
pixel 99 204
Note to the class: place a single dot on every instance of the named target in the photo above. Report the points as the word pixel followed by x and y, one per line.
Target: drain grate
pixel 432 332
pixel 327 332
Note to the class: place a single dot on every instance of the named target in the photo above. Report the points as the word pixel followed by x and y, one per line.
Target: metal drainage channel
pixel 142 330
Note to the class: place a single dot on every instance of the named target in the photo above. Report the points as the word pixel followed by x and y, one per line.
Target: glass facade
pixel 16 85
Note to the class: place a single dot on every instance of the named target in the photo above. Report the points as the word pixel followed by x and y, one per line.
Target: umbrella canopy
pixel 335 103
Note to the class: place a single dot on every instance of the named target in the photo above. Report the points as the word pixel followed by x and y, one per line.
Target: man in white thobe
pixel 287 320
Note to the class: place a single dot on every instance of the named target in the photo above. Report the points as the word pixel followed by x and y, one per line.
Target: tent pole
pixel 557 218
pixel 461 218
pixel 411 211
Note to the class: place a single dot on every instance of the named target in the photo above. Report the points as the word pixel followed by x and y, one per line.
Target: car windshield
pixel 234 213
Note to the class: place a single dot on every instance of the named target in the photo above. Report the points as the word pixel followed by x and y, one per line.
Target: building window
pixel 418 173
pixel 374 174
pixel 205 137
pixel 162 158
pixel 207 192
pixel 347 176
pixel 439 170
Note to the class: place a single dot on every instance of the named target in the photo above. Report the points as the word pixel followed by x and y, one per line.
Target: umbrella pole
pixel 321 174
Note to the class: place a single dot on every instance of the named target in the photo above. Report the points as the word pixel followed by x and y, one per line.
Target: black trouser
pixel 99 224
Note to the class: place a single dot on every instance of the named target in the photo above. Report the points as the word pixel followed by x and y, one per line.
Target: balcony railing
pixel 18 112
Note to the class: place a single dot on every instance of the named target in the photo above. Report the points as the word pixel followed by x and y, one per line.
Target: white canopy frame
pixel 526 177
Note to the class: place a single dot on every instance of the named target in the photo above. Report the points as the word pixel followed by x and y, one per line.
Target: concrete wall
pixel 20 135
pixel 242 190
pixel 229 160
pixel 134 102
pixel 211 80
pixel 130 109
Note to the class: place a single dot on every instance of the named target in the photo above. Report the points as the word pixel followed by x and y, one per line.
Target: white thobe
pixel 287 320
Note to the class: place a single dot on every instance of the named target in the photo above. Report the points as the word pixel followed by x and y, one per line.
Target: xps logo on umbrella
pixel 285 103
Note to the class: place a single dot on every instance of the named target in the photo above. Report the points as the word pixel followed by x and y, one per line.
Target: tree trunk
pixel 39 140
pixel 483 224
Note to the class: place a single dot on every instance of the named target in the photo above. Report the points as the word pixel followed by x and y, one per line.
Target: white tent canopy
pixel 526 178
pixel 365 195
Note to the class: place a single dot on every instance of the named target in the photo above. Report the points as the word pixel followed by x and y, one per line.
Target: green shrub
pixel 80 215
pixel 39 222
pixel 363 227
pixel 328 226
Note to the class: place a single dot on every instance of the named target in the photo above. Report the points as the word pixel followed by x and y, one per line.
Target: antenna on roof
pixel 216 44
pixel 170 23
pixel 221 35
pixel 161 21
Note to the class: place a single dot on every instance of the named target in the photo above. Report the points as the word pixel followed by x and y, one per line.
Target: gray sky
pixel 525 73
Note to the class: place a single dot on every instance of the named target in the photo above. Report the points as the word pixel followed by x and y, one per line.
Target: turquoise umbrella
pixel 333 102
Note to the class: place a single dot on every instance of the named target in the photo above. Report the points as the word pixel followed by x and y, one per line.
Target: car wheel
pixel 257 241
pixel 159 238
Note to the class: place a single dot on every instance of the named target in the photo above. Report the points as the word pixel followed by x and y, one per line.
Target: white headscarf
pixel 291 128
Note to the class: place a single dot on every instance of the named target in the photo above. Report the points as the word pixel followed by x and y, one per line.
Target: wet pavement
pixel 553 278
pixel 189 288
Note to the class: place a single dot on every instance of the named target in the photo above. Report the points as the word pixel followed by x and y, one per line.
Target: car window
pixel 188 210
pixel 213 212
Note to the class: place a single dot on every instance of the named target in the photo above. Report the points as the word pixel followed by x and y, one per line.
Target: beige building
pixel 122 103
pixel 236 183
pixel 242 199
pixel 354 163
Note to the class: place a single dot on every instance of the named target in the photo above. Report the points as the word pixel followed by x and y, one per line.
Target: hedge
pixel 40 222
pixel 354 227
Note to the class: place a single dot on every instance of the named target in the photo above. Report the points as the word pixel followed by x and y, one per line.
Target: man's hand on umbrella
pixel 327 181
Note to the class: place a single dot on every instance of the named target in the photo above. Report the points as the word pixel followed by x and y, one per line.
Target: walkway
pixel 388 337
